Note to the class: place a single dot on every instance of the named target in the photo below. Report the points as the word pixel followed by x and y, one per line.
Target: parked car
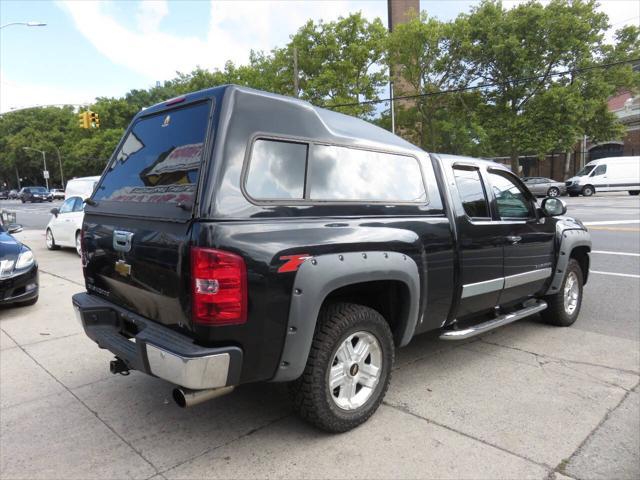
pixel 238 236
pixel 65 226
pixel 13 194
pixel 18 269
pixel 81 187
pixel 35 194
pixel 4 194
pixel 613 174
pixel 545 187
pixel 57 193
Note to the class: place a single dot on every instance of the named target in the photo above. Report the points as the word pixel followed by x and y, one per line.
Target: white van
pixel 612 174
pixel 81 187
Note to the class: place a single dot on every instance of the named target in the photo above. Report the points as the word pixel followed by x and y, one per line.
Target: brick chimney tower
pixel 401 11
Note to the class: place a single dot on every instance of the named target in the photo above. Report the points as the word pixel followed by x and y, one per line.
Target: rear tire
pixel 553 192
pixel 634 192
pixel 564 306
pixel 588 190
pixel 348 369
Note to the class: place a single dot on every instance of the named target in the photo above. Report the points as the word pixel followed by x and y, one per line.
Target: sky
pixel 106 48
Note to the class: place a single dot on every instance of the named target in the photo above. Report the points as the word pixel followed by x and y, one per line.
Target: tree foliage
pixel 488 83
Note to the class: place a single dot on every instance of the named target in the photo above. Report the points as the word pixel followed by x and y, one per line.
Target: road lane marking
pixel 612 222
pixel 629 275
pixel 607 252
pixel 616 229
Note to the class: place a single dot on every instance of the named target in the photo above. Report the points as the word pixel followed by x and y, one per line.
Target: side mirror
pixel 553 207
pixel 14 228
pixel 55 211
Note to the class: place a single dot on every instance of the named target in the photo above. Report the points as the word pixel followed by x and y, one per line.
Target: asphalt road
pixel 525 401
pixel 31 215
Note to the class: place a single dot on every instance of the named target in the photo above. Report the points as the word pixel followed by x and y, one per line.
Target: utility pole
pixel 60 163
pixel 45 173
pixel 295 72
pixel 393 115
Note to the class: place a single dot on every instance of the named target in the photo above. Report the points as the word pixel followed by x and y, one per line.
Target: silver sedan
pixel 545 187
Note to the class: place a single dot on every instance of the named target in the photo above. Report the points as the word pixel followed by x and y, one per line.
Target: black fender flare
pixel 318 276
pixel 571 238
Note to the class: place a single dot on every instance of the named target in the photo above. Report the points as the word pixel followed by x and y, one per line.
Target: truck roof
pixel 344 128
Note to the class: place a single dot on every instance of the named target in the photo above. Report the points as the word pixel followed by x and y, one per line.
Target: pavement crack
pixel 561 467
pixel 125 441
pixel 222 445
pixel 558 359
pixel 62 278
pixel 407 411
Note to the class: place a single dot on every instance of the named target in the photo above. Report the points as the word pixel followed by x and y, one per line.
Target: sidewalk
pixel 527 401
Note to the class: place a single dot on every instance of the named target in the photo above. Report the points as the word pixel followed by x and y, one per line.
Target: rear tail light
pixel 218 287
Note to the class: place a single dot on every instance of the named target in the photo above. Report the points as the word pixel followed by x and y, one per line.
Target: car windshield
pixel 38 190
pixel 585 171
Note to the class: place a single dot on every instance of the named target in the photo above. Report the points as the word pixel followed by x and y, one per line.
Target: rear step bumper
pixel 156 349
pixel 499 321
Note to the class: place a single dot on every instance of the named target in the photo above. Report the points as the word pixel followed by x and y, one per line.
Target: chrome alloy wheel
pixel 49 239
pixel 571 293
pixel 355 370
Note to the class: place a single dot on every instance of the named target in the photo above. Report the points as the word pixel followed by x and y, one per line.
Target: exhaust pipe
pixel 185 397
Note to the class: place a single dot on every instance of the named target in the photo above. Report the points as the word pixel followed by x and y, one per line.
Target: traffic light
pixel 83 120
pixel 94 120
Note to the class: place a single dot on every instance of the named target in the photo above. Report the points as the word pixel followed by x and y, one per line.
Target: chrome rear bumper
pixel 155 349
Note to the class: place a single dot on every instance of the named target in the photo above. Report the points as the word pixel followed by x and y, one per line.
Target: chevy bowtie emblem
pixel 123 268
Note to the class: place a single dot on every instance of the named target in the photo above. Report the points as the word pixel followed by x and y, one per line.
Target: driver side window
pixel 67 206
pixel 600 170
pixel 511 200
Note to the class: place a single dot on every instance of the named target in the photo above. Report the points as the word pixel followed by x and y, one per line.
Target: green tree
pixel 519 53
pixel 427 55
pixel 338 63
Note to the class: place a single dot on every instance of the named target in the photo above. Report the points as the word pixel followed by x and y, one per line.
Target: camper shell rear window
pixel 159 160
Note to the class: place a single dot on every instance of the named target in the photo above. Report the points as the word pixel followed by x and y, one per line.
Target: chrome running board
pixel 499 321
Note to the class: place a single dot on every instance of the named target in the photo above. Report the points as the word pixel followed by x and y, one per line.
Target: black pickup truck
pixel 238 236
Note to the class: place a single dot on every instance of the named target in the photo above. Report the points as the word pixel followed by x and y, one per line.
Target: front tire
pixel 634 192
pixel 78 244
pixel 588 190
pixel 564 306
pixel 50 241
pixel 348 369
pixel 553 192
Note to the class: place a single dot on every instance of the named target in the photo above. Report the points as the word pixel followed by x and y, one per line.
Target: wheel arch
pixel 348 276
pixel 574 243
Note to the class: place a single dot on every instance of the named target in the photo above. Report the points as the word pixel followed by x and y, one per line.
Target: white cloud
pixel 150 14
pixel 235 28
pixel 15 95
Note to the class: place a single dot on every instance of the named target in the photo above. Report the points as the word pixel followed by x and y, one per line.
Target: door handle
pixel 513 239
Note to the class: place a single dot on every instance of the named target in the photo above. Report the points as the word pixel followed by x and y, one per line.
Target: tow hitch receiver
pixel 118 366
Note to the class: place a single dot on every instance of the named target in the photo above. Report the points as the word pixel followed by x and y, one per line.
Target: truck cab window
pixel 511 199
pixel 600 170
pixel 471 191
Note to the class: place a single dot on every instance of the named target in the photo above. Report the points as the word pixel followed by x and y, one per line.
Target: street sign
pixel 45 174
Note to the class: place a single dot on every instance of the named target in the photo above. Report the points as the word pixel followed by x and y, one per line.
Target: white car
pixel 63 230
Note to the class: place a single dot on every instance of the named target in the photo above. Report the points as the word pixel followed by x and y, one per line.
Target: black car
pixel 238 236
pixel 35 194
pixel 18 269
pixel 4 194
